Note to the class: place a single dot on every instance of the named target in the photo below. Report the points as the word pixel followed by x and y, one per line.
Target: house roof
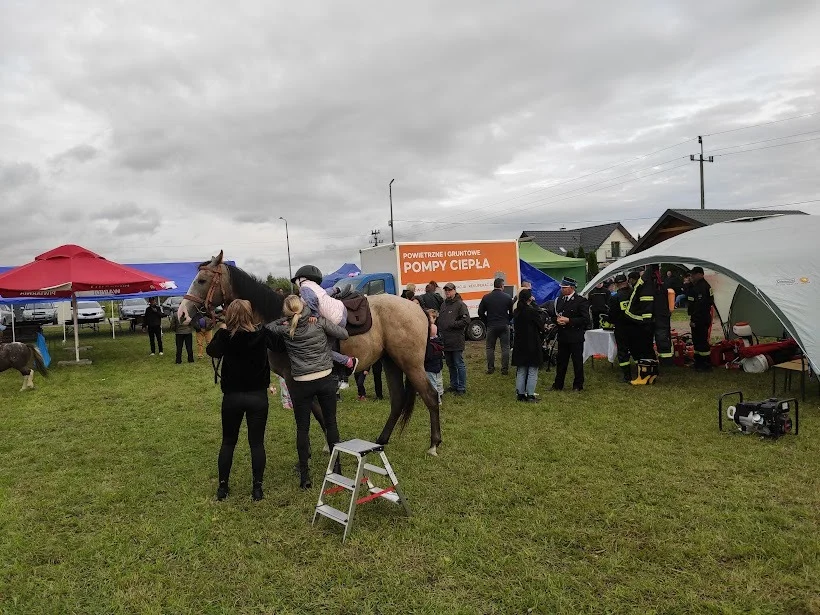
pixel 698 218
pixel 590 237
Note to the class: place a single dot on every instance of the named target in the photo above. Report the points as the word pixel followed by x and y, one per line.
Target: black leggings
pixel 254 404
pixel 302 394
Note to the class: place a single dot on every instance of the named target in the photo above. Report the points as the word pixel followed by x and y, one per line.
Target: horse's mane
pixel 265 301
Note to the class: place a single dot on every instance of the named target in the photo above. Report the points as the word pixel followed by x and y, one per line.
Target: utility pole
pixel 392 231
pixel 287 239
pixel 701 159
pixel 375 240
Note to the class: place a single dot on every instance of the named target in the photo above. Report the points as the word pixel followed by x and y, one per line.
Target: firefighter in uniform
pixel 618 303
pixel 639 311
pixel 700 300
pixel 598 303
pixel 662 319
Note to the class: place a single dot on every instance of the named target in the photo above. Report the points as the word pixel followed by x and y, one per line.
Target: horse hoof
pixel 432 451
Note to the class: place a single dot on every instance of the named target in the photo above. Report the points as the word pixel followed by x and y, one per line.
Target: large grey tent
pixel 773 262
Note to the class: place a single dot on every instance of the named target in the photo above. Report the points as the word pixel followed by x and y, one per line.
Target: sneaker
pixel 343 385
pixel 490 370
pixel 160 354
pixel 532 399
pixel 362 398
pixel 151 355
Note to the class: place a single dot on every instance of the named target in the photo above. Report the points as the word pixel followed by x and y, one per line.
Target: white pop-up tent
pixel 774 261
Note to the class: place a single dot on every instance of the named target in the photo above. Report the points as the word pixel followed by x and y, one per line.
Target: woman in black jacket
pixel 243 348
pixel 527 354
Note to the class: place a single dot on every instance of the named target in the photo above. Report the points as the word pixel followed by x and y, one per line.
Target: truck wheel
pixel 476 331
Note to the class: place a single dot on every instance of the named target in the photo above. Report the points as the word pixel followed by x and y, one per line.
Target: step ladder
pixel 336 483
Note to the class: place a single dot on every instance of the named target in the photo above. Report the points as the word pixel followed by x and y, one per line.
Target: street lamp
pixel 392 231
pixel 287 240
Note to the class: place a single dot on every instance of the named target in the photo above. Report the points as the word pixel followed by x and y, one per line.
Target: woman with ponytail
pixel 311 362
pixel 243 348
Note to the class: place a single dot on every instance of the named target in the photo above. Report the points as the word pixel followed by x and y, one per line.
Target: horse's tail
pixel 39 362
pixel 408 403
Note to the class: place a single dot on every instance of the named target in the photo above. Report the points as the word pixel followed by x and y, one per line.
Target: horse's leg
pixel 395 386
pixel 417 381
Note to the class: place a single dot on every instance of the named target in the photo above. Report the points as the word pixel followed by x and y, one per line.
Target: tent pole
pixel 111 322
pixel 13 335
pixel 76 329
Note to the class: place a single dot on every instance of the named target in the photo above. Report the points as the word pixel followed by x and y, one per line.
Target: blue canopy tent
pixel 544 288
pixel 348 270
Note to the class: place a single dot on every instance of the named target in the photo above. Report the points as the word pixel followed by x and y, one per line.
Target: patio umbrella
pixel 71 271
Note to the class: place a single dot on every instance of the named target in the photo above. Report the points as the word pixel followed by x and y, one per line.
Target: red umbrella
pixel 72 270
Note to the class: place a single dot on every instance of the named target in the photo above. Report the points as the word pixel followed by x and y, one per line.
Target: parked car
pixel 40 312
pixel 5 315
pixel 89 312
pixel 171 305
pixel 133 308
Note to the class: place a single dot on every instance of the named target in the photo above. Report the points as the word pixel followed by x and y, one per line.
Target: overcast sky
pixel 161 131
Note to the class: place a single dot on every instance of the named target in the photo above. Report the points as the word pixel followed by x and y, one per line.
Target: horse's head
pixel 208 289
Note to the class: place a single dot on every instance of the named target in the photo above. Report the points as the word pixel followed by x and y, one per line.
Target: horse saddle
pixel 359 318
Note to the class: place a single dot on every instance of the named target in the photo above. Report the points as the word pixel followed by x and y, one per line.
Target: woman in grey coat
pixel 311 363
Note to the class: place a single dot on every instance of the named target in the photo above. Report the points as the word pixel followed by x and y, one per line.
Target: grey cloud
pixel 78 153
pixel 239 120
pixel 16 174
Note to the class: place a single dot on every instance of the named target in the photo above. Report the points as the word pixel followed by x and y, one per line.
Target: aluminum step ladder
pixel 336 483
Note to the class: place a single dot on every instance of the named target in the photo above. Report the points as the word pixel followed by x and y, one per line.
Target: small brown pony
pixel 22 357
pixel 398 337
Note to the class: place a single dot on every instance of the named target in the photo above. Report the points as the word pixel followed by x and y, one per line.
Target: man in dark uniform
pixel 598 303
pixel 639 311
pixel 700 300
pixel 572 318
pixel 617 306
pixel 662 319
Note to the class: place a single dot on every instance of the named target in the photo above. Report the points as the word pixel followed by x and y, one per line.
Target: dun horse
pixel 22 357
pixel 398 336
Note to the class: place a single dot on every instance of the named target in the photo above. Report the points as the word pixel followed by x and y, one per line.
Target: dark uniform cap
pixel 569 282
pixel 620 278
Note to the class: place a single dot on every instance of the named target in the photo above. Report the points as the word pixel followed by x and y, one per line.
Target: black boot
pixel 223 490
pixel 304 478
pixel 522 397
pixel 256 492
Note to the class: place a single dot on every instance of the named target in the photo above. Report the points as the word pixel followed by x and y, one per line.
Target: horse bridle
pixel 206 304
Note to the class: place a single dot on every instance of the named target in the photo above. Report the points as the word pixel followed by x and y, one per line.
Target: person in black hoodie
pixel 152 320
pixel 528 353
pixel 243 348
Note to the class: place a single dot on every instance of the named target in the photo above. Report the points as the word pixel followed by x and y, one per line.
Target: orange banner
pixel 470 265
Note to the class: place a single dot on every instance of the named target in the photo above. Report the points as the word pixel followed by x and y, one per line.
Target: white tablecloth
pixel 601 342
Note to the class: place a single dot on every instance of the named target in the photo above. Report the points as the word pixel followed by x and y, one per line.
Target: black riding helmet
pixel 309 272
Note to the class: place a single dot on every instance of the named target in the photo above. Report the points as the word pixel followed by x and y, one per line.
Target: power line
pixel 796 117
pixel 574 179
pixel 754 149
pixel 785 119
pixel 570 222
pixel 799 134
pixel 490 217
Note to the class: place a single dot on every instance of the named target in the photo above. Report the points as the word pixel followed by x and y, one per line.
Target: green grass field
pixel 619 500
